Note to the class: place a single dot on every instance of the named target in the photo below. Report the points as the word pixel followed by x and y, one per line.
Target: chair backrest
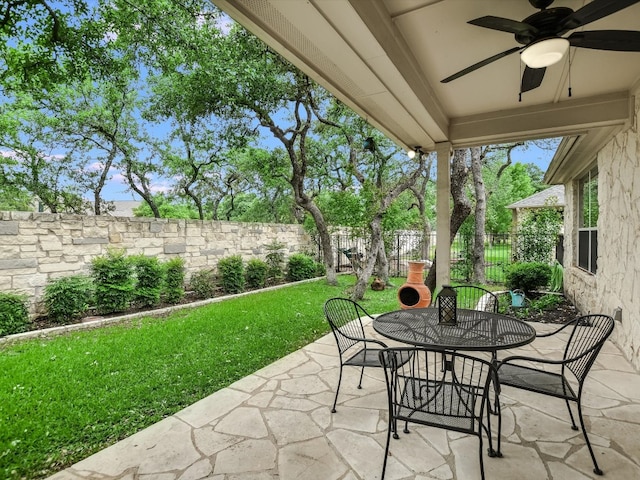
pixel 451 386
pixel 345 318
pixel 585 342
pixel 476 298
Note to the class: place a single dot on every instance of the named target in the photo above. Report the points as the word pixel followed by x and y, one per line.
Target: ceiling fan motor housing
pixel 547 23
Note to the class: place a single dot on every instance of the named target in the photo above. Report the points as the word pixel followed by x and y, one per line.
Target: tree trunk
pixel 97 190
pixel 382 265
pixel 461 205
pixel 480 217
pixel 370 259
pixel 419 191
pixel 142 186
pixel 325 242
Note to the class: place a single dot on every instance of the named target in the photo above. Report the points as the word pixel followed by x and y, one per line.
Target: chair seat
pixel 531 379
pixel 370 358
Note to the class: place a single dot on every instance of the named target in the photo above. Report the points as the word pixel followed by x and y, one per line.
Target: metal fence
pixel 500 251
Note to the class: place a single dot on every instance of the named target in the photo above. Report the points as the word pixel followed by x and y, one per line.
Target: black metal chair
pixel 586 336
pixel 345 318
pixel 475 298
pixel 454 398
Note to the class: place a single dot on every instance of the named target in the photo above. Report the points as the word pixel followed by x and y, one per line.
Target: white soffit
pixel 343 62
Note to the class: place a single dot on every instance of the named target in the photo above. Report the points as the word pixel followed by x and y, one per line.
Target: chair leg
pixel 573 422
pixel 481 457
pixel 498 452
pixel 490 451
pixel 405 430
pixel 335 400
pixel 386 450
pixel 361 375
pixel 596 468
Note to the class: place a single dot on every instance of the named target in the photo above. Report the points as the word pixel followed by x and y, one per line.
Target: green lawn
pixel 66 397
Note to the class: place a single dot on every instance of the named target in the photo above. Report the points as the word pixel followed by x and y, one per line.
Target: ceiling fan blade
pixel 593 11
pixel 531 78
pixel 484 62
pixel 617 40
pixel 504 25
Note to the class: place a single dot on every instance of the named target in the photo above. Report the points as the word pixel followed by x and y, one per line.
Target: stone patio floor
pixel 277 424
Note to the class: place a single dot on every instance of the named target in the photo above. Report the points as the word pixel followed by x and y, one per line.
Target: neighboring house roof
pixel 124 208
pixel 541 199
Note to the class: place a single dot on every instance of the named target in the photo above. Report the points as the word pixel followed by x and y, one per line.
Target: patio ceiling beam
pixel 569 118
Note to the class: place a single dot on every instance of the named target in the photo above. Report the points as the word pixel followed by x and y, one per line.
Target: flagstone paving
pixel 277 424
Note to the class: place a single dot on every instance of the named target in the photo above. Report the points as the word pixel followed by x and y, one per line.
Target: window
pixel 588 222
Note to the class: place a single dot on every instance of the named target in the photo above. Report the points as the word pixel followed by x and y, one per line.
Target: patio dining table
pixel 475 330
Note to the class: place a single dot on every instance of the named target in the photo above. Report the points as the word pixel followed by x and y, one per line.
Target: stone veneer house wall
pixel 38 247
pixel 616 283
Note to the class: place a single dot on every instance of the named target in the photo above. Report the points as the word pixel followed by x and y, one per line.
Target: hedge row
pixel 119 282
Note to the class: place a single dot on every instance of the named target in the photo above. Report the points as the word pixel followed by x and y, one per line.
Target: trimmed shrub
pixel 149 276
pixel 300 267
pixel 113 280
pixel 527 276
pixel 173 291
pixel 231 272
pixel 275 261
pixel 14 314
pixel 68 298
pixel 256 273
pixel 203 283
pixel 321 269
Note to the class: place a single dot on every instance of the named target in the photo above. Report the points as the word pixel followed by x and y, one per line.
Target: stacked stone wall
pixel 38 247
pixel 616 285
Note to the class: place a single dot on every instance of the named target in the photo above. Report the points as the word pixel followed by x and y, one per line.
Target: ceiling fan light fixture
pixel 545 52
pixel 412 153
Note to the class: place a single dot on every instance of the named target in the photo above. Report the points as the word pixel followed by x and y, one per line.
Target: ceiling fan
pixel 542 40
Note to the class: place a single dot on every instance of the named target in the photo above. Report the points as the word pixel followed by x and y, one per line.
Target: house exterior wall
pixel 617 281
pixel 38 247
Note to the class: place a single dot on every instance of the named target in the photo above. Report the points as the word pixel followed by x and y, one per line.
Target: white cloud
pixel 119 178
pixel 94 167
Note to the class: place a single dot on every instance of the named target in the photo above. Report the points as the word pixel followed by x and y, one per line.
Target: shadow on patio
pixel 276 424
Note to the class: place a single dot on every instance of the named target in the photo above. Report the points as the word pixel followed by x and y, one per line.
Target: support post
pixel 443 215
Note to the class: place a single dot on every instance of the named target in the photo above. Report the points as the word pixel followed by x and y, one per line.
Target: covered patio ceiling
pixel 386 60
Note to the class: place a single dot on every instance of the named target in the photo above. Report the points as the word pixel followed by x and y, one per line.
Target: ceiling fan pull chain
pixel 519 77
pixel 570 62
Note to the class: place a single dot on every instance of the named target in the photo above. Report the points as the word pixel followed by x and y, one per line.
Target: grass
pixel 66 397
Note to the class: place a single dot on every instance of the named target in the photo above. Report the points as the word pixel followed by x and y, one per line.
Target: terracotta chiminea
pixel 414 293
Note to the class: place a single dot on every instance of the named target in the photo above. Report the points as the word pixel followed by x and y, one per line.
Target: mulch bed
pixel 562 313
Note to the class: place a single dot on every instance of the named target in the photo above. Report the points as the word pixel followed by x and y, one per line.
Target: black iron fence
pixel 500 251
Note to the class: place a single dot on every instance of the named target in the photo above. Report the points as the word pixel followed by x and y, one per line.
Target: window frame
pixel 587 231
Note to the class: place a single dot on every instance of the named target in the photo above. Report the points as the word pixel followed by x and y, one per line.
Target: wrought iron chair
pixel 345 318
pixel 476 298
pixel 586 336
pixel 454 398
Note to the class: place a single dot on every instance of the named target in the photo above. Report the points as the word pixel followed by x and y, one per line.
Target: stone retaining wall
pixel 38 247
